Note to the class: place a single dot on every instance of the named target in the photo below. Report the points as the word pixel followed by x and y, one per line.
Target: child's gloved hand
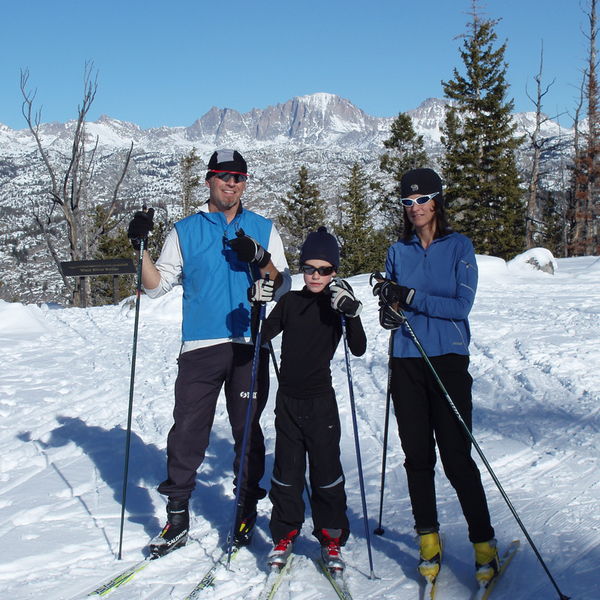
pixel 343 299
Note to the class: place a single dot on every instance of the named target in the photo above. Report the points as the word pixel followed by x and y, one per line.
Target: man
pixel 215 255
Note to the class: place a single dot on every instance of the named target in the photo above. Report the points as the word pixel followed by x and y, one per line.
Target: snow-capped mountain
pixel 322 131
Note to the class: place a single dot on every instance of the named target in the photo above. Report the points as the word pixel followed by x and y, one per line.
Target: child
pixel 306 414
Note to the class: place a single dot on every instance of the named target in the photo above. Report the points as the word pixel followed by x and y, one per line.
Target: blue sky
pixel 167 63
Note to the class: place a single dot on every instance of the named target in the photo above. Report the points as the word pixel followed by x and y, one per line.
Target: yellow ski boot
pixel 487 563
pixel 430 555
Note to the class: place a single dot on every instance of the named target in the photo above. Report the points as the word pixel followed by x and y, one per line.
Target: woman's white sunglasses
pixel 420 200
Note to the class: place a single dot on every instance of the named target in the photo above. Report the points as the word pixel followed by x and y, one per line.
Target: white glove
pixel 261 290
pixel 343 299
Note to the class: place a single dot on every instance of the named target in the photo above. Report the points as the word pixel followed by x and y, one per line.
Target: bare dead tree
pixel 585 237
pixel 540 145
pixel 577 144
pixel 69 186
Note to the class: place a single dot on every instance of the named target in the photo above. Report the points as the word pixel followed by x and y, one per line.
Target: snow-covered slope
pixel 63 403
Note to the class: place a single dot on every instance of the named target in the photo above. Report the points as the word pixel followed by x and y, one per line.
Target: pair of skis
pixel 209 577
pixel 485 590
pixel 121 578
pixel 125 576
pixel 276 576
pixel 337 581
pixel 274 579
pixel 269 591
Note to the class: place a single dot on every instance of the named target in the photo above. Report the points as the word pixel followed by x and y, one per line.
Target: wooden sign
pixel 88 268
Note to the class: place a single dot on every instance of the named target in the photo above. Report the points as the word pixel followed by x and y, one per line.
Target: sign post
pixel 91 268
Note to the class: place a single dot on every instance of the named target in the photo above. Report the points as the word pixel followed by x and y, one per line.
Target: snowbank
pixel 491 268
pixel 18 320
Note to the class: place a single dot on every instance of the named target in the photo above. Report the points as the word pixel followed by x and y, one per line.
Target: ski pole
pixel 131 387
pixel 243 450
pixel 479 450
pixel 357 444
pixel 380 530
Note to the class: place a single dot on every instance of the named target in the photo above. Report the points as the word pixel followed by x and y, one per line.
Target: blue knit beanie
pixel 320 245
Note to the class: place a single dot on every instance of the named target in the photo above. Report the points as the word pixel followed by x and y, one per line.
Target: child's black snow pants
pixel 307 426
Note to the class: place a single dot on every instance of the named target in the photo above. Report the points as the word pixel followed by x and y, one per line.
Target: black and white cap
pixel 226 160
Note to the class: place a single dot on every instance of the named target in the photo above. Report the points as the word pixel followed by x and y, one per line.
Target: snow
pixel 320 100
pixel 64 391
pixel 19 320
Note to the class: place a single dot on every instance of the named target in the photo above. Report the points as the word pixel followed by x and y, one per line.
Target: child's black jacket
pixel 311 333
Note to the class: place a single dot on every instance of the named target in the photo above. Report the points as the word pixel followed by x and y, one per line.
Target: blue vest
pixel 215 282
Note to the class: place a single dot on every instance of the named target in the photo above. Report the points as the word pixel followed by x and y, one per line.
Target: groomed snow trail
pixel 64 392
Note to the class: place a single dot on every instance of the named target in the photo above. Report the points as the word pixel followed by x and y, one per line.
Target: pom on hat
pixel 321 245
pixel 421 181
pixel 227 160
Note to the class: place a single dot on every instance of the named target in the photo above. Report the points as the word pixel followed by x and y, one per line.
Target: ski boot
pixel 430 555
pixel 278 557
pixel 175 532
pixel 487 563
pixel 331 551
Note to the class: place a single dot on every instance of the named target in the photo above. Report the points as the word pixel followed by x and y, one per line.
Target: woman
pixel 433 277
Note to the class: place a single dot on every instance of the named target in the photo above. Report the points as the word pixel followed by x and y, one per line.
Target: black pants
pixel 307 426
pixel 423 412
pixel 201 375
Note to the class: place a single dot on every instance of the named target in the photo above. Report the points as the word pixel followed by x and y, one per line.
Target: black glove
pixel 390 292
pixel 249 250
pixel 261 290
pixel 140 226
pixel 343 299
pixel 390 318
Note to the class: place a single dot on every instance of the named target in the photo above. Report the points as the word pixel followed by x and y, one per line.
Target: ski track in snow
pixel 64 393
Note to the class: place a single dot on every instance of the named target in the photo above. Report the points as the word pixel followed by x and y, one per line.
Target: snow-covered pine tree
pixel 405 150
pixel 190 181
pixel 362 247
pixel 304 211
pixel 479 166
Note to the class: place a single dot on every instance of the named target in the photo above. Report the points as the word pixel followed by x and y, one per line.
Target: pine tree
pixel 112 243
pixel 304 211
pixel 405 151
pixel 553 221
pixel 479 166
pixel 189 182
pixel 362 248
